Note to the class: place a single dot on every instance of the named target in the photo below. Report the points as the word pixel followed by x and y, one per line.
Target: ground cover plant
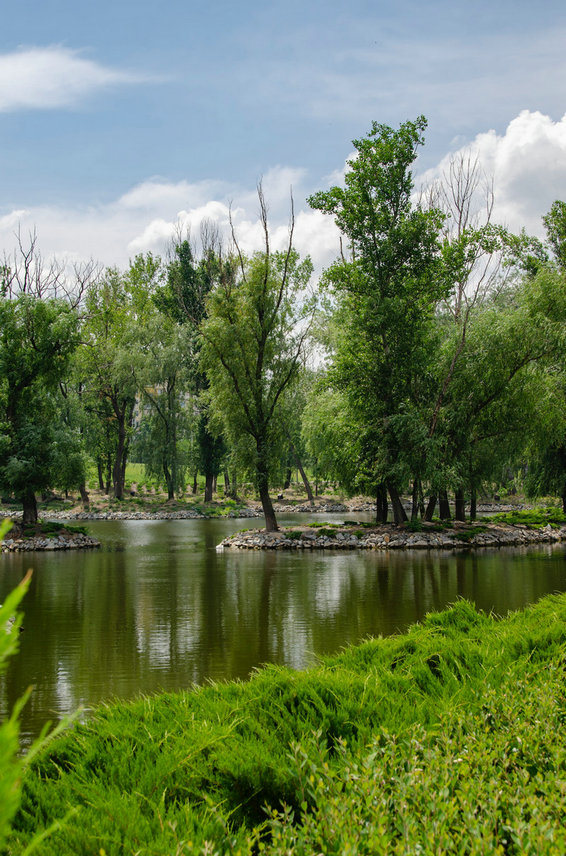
pixel 534 518
pixel 447 739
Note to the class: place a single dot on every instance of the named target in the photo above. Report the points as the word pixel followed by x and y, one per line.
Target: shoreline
pixel 390 537
pixel 346 537
pixel 243 513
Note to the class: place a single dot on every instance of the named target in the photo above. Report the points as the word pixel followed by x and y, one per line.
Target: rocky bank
pixel 389 537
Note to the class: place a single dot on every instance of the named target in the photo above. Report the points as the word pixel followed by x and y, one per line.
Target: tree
pixel 37 339
pixel 106 368
pixel 388 291
pixel 183 299
pixel 253 343
pixel 555 225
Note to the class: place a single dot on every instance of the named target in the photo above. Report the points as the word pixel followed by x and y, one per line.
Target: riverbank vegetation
pixel 448 738
pixel 427 362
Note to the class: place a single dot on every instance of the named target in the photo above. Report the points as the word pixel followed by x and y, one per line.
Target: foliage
pixel 37 450
pixel 555 225
pixel 253 344
pixel 449 733
pixel 531 517
pixel 387 295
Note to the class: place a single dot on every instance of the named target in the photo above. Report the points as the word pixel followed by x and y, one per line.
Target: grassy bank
pixel 449 738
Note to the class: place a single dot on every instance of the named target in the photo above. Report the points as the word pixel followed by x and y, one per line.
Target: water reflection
pixel 159 608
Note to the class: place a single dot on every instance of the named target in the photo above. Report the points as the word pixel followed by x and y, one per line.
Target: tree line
pixel 429 359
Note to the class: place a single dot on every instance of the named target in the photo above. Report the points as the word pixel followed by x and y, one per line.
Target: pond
pixel 157 607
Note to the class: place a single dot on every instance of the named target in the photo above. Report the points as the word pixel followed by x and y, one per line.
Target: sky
pixel 121 121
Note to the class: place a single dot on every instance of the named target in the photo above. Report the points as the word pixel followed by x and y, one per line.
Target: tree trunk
pixel 303 475
pixel 415 499
pixel 208 485
pixel 263 487
pixel 287 482
pixel 399 514
pixel 84 496
pixel 444 505
pixel 118 468
pixel 29 504
pixel 431 505
pixel 100 474
pixel 381 506
pixel 460 509
pixel 108 474
pixel 473 503
pixel 195 482
pixel 168 480
pixel 232 485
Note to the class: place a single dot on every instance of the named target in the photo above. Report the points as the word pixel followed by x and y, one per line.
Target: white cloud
pixel 53 77
pixel 528 167
pixel 528 163
pixel 147 216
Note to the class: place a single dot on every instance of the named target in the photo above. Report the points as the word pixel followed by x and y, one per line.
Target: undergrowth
pixel 447 739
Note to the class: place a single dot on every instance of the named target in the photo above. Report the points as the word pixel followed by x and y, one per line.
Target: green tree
pixel 501 385
pixel 555 225
pixel 162 378
pixel 117 306
pixel 183 298
pixel 37 338
pixel 388 291
pixel 253 343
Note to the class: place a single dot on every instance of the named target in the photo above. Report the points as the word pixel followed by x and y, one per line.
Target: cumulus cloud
pixel 53 77
pixel 149 215
pixel 527 164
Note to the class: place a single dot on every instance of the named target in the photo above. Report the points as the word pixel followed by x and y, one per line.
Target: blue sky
pixel 117 117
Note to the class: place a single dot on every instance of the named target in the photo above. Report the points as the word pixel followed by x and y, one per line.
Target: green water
pixel 159 608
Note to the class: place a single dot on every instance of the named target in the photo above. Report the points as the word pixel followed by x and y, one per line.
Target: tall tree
pixel 388 289
pixel 183 298
pixel 253 343
pixel 115 306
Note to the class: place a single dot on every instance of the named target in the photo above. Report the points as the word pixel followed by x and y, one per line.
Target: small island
pixel 46 536
pixel 514 529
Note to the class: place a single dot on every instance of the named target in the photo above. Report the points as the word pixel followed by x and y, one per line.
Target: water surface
pixel 157 607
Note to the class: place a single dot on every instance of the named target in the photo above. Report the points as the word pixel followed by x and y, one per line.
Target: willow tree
pixel 254 339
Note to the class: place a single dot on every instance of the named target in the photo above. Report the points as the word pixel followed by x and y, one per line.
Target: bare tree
pixel 26 271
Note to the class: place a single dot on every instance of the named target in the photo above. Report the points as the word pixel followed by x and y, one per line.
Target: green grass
pixel 466 535
pixel 447 739
pixel 46 529
pixel 534 518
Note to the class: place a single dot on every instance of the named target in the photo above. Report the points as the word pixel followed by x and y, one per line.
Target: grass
pixel 466 535
pixel 447 739
pixel 534 518
pixel 45 529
